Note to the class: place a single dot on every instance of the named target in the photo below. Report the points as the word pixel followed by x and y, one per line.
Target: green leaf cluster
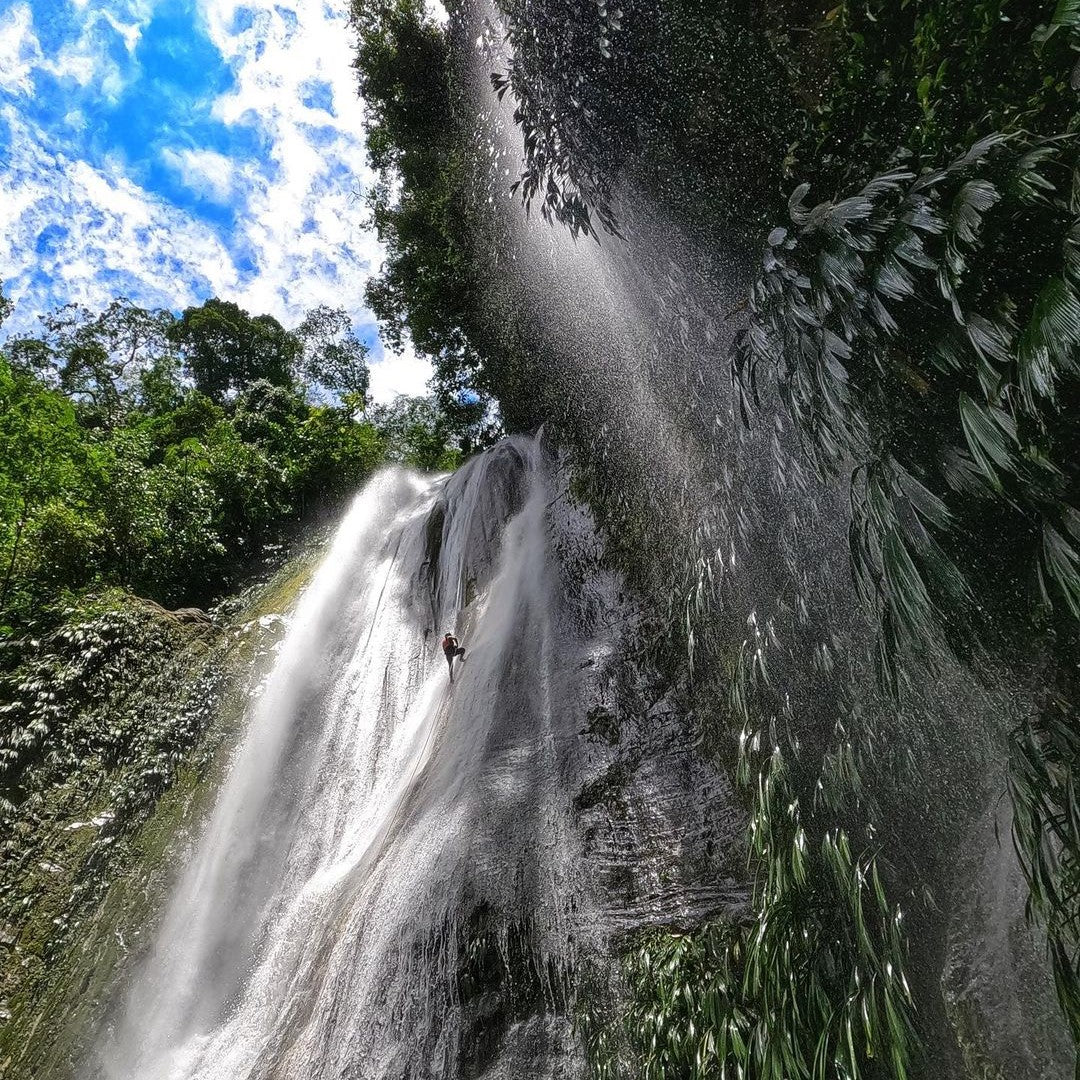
pixel 810 985
pixel 165 454
pixel 922 332
pixel 928 76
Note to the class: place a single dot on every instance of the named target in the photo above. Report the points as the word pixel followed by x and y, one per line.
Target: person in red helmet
pixel 451 648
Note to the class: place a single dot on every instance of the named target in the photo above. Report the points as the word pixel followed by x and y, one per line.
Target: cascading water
pixel 378 829
pixel 372 808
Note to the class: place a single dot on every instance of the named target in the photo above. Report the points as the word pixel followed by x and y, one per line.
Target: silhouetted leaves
pixel 916 360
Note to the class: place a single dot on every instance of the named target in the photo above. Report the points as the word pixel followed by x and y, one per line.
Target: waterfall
pixel 372 808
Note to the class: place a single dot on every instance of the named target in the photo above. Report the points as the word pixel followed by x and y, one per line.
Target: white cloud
pixel 82 59
pixel 204 171
pixel 78 63
pixel 306 226
pixel 130 32
pixel 20 51
pixel 73 232
pixel 86 59
pixel 402 373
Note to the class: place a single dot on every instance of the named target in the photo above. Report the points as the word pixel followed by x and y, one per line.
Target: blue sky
pixel 171 150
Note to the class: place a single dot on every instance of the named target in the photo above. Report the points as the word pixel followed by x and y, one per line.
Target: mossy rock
pixel 83 908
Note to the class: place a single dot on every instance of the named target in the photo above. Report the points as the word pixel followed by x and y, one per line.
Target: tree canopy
pixel 165 454
pixel 224 348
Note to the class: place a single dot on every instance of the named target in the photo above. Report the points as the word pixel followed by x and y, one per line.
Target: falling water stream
pixel 372 805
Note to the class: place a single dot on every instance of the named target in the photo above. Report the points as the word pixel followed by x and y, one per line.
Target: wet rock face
pixel 513 1015
pixel 101 866
pixel 655 834
pixel 664 837
pixel 661 837
pixel 660 829
pixel 539 1048
pixel 998 992
pixel 591 816
pixel 475 525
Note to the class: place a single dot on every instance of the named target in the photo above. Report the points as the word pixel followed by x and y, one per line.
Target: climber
pixel 451 648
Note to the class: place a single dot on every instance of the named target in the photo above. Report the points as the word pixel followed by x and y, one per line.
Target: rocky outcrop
pixel 151 702
pixel 999 995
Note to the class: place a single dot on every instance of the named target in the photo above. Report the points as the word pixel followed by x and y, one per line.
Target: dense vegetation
pixel 427 207
pixel 923 331
pixel 414 139
pixel 115 724
pixel 909 173
pixel 164 454
pixel 716 114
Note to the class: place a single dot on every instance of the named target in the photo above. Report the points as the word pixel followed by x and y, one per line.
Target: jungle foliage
pixel 714 111
pixel 812 985
pixel 921 326
pixel 164 454
pixel 687 103
pixel 923 330
pixel 113 723
pixel 924 81
pixel 427 207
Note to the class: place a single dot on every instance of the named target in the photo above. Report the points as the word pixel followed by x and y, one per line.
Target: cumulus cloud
pixel 70 231
pixel 204 171
pixel 398 373
pixel 320 163
pixel 86 59
pixel 129 32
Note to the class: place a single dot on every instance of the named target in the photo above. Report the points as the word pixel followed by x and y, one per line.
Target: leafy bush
pixel 809 986
pixel 922 331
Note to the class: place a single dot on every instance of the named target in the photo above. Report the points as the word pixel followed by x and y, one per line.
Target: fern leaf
pixel 990 434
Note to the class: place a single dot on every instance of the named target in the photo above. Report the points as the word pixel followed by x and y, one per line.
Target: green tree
pixel 98 359
pixel 430 214
pixel 116 471
pixel 160 388
pixel 268 416
pixel 333 357
pixel 193 418
pixel 336 454
pixel 40 450
pixel 135 518
pixel 416 433
pixel 225 349
pixel 32 356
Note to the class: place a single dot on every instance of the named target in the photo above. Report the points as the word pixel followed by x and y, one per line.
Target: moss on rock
pixel 99 814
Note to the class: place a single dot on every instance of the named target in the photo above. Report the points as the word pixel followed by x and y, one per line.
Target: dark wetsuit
pixel 451 649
